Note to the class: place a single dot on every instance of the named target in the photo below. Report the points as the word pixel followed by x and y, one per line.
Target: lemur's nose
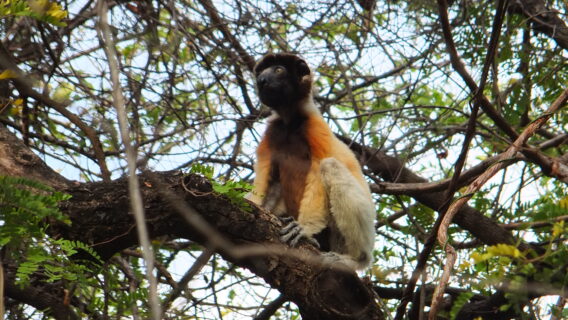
pixel 261 80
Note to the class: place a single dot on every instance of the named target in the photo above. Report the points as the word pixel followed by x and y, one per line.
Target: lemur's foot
pixel 339 261
pixel 292 233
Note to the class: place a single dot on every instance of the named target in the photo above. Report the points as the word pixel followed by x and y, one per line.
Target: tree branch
pixel 99 215
pixel 550 166
pixel 26 89
pixel 222 26
pixel 17 160
pixel 42 296
pixel 543 19
pixel 104 33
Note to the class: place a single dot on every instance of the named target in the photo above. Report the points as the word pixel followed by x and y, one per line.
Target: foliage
pixel 56 263
pixel 26 208
pixel 503 263
pixel 234 190
pixel 383 78
pixel 459 302
pixel 42 10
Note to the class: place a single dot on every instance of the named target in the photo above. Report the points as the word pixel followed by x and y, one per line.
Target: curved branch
pixel 550 166
pixel 392 169
pixel 99 212
pixel 21 83
pixel 46 297
pixel 100 217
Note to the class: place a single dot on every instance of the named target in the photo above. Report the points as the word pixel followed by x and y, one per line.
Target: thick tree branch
pixel 543 19
pixel 99 215
pixel 104 33
pixel 48 297
pixel 99 212
pixel 17 160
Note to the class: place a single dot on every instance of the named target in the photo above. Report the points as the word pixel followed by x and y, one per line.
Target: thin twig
pixel 25 86
pixel 104 34
pixel 453 183
pixel 481 180
pixel 271 308
pixel 451 254
pixel 535 224
pixel 182 284
pixel 218 22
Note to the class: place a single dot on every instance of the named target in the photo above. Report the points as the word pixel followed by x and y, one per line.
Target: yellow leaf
pixel 56 11
pixel 558 229
pixel 477 257
pixel 8 74
pixel 18 102
pixel 379 274
pixel 563 203
pixel 16 110
pixel 464 265
pixel 504 250
pixel 47 8
pixel 63 92
pixel 39 6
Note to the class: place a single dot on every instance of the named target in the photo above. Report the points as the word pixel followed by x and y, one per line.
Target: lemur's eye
pixel 278 69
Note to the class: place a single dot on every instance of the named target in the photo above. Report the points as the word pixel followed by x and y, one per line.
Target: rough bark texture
pixel 42 296
pixel 543 19
pixel 100 217
pixel 17 160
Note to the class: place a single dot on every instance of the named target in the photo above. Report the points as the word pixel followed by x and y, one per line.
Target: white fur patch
pixel 352 210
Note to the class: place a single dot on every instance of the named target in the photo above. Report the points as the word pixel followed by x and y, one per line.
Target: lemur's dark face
pixel 283 80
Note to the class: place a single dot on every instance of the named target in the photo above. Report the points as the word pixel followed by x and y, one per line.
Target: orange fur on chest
pixel 317 134
pixel 263 150
pixel 293 176
pixel 319 137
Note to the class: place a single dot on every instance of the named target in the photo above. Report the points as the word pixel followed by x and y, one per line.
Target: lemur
pixel 304 172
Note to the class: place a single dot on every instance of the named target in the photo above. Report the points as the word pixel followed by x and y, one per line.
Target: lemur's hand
pixel 292 232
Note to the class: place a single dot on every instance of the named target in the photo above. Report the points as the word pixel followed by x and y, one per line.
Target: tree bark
pixel 543 19
pixel 17 160
pixel 100 217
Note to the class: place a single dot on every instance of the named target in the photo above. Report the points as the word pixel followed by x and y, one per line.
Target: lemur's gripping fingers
pixel 292 233
pixel 286 219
